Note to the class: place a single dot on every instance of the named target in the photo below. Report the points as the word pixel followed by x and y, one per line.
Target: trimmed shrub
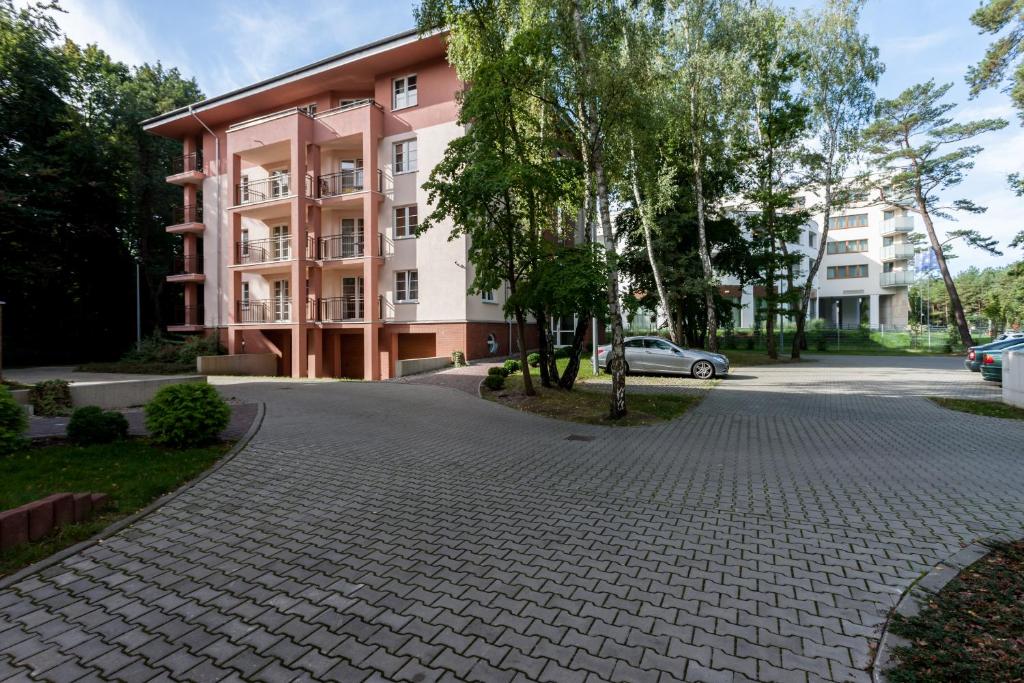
pixel 198 346
pixel 562 352
pixel 13 423
pixel 184 415
pixel 51 398
pixel 498 371
pixel 494 382
pixel 512 366
pixel 533 359
pixel 458 359
pixel 92 424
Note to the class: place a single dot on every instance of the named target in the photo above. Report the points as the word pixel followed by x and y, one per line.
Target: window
pixel 887 267
pixel 351 174
pixel 888 215
pixel 282 301
pixel 349 102
pixel 487 297
pixel 310 109
pixel 859 220
pixel 244 246
pixel 351 237
pixel 245 295
pixel 887 241
pixel 847 247
pixel 243 189
pixel 407 287
pixel 405 220
pixel 403 92
pixel 845 272
pixel 280 243
pixel 812 238
pixel 658 345
pixel 634 344
pixel 279 184
pixel 405 156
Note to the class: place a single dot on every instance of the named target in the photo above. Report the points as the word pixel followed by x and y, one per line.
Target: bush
pixel 494 382
pixel 13 423
pixel 750 343
pixel 821 342
pixel 497 371
pixel 458 359
pixel 533 359
pixel 512 366
pixel 51 398
pixel 184 415
pixel 91 424
pixel 729 341
pixel 562 351
pixel 198 346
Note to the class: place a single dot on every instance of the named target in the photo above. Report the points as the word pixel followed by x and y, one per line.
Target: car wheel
pixel 702 370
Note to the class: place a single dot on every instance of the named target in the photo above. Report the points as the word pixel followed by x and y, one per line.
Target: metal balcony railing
pixel 898 224
pixel 187 265
pixel 265 189
pixel 356 104
pixel 898 252
pixel 190 213
pixel 345 182
pixel 277 310
pixel 264 251
pixel 186 163
pixel 341 309
pixel 896 278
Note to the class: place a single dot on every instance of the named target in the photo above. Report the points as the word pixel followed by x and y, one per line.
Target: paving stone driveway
pixel 396 531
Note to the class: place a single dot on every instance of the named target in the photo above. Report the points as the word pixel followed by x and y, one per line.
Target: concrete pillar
pixel 315 363
pixel 371 352
pixel 873 317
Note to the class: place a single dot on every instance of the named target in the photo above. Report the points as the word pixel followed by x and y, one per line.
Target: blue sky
pixel 225 45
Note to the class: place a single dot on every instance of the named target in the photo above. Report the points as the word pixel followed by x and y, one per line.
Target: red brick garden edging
pixel 32 521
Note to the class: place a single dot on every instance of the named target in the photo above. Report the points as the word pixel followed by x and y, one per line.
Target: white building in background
pixel 865 274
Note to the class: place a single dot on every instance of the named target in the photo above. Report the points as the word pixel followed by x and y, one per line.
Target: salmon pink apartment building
pixel 301 196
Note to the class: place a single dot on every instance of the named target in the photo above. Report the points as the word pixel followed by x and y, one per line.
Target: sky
pixel 228 44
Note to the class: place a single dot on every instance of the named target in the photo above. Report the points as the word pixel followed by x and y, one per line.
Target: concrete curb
pixel 59 556
pixel 915 598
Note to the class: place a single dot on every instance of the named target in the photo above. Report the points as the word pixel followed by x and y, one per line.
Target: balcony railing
pixel 187 163
pixel 356 104
pixel 898 252
pixel 341 309
pixel 898 224
pixel 345 182
pixel 187 265
pixel 190 213
pixel 336 247
pixel 265 189
pixel 264 251
pixel 896 278
pixel 278 310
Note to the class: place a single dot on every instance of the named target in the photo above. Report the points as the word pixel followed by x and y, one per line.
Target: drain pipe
pixel 216 155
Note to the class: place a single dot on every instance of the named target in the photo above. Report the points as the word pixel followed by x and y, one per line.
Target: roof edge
pixel 347 55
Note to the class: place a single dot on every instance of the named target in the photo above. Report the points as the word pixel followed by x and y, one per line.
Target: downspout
pixel 216 155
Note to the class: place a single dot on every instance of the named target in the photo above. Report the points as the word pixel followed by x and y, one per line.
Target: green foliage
pixel 494 382
pixel 51 398
pixel 533 359
pixel 185 415
pixel 458 359
pixel 498 371
pixel 1005 54
pixel 13 423
pixel 93 425
pixel 160 350
pixel 512 366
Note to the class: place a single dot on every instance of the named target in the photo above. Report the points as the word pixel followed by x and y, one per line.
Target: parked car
pixel 974 353
pixel 992 361
pixel 657 355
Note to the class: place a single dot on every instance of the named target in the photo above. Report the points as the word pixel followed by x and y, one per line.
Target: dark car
pixel 992 361
pixel 974 353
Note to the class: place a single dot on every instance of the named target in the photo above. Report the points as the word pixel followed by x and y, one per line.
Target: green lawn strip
pixel 973 630
pixel 139 368
pixel 589 406
pixel 133 473
pixel 980 407
pixel 12 385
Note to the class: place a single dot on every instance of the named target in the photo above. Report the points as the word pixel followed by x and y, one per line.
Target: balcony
pixel 345 182
pixel 186 169
pixel 898 225
pixel 340 309
pixel 338 247
pixel 896 278
pixel 188 218
pixel 187 269
pixel 275 187
pixel 898 252
pixel 189 319
pixel 255 311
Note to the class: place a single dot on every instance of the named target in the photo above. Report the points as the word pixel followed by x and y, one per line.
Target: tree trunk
pixel 542 348
pixel 617 359
pixel 769 323
pixel 646 219
pixel 954 296
pixel 572 369
pixel 521 326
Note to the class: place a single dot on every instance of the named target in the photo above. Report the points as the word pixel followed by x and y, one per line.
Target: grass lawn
pixel 139 368
pixel 133 473
pixel 590 405
pixel 978 407
pixel 12 385
pixel 972 630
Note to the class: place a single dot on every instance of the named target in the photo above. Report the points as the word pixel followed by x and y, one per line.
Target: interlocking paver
pixel 408 532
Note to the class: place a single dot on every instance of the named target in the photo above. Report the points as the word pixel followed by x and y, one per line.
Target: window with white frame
pixel 404 156
pixel 405 220
pixel 310 109
pixel 407 286
pixel 245 295
pixel 243 247
pixel 243 189
pixel 487 296
pixel 403 92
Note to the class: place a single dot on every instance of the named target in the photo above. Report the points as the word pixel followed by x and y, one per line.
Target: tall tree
pixel 778 121
pixel 908 143
pixel 839 74
pixel 1002 56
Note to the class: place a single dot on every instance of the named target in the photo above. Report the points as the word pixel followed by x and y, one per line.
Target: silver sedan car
pixel 654 354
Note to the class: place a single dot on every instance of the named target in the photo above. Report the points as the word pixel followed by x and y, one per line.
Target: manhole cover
pixel 579 437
